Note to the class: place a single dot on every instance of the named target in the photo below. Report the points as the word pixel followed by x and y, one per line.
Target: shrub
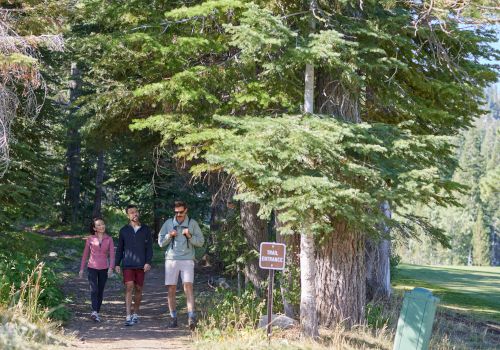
pixel 224 311
pixel 16 277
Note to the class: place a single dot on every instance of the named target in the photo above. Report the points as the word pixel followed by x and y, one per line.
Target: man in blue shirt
pixel 135 251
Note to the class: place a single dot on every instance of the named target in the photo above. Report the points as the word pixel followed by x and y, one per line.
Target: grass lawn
pixel 473 289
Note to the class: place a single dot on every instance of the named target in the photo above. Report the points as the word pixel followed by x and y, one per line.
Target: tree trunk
pixel 378 266
pixel 378 269
pixel 341 277
pixel 340 260
pixel 292 261
pixel 99 179
pixel 495 244
pixel 255 232
pixel 73 158
pixel 308 314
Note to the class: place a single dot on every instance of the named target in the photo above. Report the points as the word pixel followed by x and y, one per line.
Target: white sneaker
pixel 135 318
pixel 128 321
pixel 94 316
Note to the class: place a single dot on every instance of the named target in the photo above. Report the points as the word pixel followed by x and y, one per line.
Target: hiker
pixel 180 235
pixel 100 247
pixel 135 252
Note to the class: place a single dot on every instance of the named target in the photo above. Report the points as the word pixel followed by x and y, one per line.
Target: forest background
pixel 108 103
pixel 79 157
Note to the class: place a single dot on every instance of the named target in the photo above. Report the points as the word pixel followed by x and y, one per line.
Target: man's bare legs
pixel 129 287
pixel 188 289
pixel 171 298
pixel 137 298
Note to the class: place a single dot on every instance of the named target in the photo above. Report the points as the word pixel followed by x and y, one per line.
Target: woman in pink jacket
pixel 101 247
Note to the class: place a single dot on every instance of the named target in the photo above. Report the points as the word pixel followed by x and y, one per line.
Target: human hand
pixel 80 274
pixel 110 272
pixel 147 267
pixel 186 233
pixel 117 269
pixel 173 233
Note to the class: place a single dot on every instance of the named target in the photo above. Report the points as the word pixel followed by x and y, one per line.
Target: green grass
pixel 474 289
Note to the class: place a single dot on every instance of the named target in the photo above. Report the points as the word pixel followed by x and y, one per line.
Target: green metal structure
pixel 416 320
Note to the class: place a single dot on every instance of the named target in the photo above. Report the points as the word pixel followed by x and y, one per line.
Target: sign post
pixel 272 257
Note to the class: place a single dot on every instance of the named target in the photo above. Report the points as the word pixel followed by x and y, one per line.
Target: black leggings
pixel 97 280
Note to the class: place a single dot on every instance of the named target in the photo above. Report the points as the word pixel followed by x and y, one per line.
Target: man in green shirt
pixel 180 235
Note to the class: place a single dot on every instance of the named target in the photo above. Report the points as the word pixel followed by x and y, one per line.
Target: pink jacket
pixel 99 253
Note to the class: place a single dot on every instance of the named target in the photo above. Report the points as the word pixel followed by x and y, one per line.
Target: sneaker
pixel 173 323
pixel 94 315
pixel 97 319
pixel 135 318
pixel 192 323
pixel 129 322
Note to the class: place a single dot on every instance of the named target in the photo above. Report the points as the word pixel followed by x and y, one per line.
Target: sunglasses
pixel 179 212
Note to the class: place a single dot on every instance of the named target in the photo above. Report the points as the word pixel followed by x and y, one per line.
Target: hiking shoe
pixel 192 323
pixel 173 323
pixel 135 318
pixel 94 316
pixel 129 322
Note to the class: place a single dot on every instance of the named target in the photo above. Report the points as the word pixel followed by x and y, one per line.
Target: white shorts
pixel 172 269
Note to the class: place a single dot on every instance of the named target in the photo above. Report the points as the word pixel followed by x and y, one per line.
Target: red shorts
pixel 134 275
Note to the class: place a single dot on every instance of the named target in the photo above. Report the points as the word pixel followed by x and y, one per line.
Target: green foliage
pixel 289 283
pixel 376 317
pixel 15 269
pixel 15 272
pixel 225 312
pixel 394 261
pixel 477 154
pixel 211 7
pixel 318 171
pixel 481 254
pixel 174 69
pixel 230 246
pixel 301 165
pixel 33 185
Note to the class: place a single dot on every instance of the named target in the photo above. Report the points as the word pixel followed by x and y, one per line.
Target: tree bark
pixel 73 157
pixel 292 262
pixel 340 260
pixel 255 232
pixel 340 277
pixel 378 266
pixel 99 179
pixel 378 269
pixel 308 314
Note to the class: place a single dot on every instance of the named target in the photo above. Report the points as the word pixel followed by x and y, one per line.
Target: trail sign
pixel 272 256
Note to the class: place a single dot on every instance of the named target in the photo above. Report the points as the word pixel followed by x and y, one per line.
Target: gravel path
pixel 150 333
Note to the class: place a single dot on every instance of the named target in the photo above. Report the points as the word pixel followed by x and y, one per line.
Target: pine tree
pixel 222 82
pixel 26 28
pixel 480 242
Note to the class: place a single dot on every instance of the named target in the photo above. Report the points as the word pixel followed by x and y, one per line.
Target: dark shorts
pixel 134 275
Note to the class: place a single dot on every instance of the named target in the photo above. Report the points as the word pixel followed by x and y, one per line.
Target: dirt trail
pixel 150 333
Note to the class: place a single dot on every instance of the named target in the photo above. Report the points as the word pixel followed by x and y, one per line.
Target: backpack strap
pixel 187 240
pixel 171 245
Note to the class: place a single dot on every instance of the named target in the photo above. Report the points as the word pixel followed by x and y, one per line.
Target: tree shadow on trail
pixel 111 333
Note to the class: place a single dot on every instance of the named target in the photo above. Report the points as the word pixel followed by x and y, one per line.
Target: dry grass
pixel 24 325
pixel 338 338
pixel 452 331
